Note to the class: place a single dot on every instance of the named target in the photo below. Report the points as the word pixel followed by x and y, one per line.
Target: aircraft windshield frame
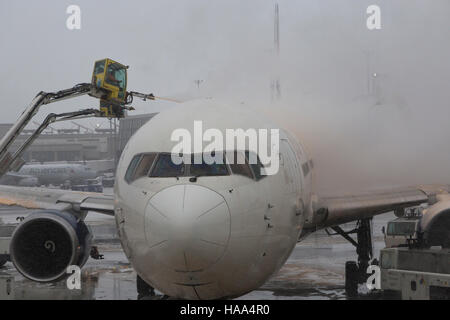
pixel 207 170
pixel 164 162
pixel 161 166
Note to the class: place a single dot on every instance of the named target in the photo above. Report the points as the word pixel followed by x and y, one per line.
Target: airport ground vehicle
pixel 417 243
pixel 5 238
pixel 409 265
pixel 415 264
pixel 416 273
pixel 108 181
pixel 92 185
pixel 401 231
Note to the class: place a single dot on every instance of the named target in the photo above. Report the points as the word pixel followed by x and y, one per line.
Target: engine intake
pixel 47 242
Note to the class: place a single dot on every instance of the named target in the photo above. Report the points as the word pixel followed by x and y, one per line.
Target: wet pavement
pixel 315 269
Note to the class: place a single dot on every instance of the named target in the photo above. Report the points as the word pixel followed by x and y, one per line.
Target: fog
pixel 371 107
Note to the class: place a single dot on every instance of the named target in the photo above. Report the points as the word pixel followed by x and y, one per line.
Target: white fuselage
pixel 218 236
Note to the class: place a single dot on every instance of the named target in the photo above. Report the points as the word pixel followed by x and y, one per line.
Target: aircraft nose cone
pixel 187 227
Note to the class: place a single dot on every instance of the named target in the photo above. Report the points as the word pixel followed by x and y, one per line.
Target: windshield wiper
pixel 194 178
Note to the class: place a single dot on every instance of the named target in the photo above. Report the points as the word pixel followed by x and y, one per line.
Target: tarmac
pixel 315 269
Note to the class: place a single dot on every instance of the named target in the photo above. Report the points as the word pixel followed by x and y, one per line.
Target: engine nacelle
pixel 47 242
pixel 435 224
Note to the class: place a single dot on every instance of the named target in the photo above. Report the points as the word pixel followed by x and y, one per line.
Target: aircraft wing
pixel 43 198
pixel 333 211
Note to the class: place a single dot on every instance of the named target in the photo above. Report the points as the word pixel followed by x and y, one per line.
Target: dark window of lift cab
pixel 140 166
pixel 99 67
pixel 116 75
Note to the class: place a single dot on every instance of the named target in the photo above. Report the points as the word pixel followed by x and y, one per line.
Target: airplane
pixel 57 173
pixel 215 235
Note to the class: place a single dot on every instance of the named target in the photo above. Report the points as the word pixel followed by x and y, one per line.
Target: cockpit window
pixel 256 167
pixel 239 164
pixel 140 166
pixel 165 167
pixel 132 167
pixel 144 165
pixel 205 169
pixel 161 165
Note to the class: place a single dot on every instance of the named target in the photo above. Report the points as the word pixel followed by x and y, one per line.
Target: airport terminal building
pixel 129 125
pixel 73 145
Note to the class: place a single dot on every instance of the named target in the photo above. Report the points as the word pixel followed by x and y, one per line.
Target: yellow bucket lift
pixel 109 84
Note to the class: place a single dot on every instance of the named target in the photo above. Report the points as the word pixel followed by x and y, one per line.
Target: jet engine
pixel 435 225
pixel 45 243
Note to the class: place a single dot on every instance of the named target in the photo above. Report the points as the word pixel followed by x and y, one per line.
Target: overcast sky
pixel 366 131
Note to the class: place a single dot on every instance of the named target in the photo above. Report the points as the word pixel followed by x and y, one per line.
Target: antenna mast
pixel 275 84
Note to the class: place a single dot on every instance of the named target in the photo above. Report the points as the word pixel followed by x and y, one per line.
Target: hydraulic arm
pixel 109 85
pixel 42 98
